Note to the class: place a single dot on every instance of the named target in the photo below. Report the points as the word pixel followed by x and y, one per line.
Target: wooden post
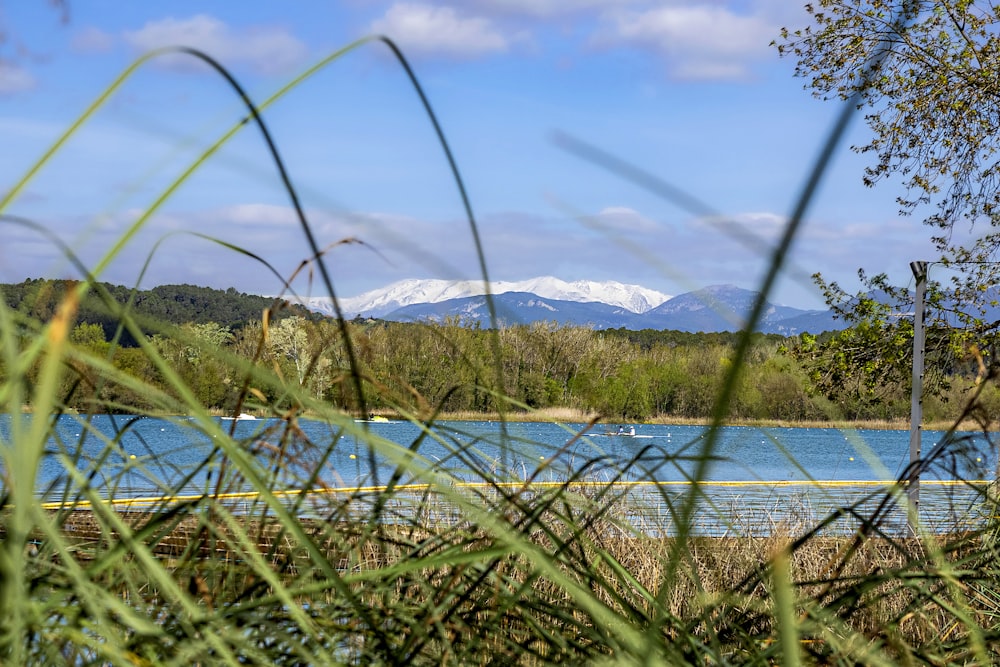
pixel 916 394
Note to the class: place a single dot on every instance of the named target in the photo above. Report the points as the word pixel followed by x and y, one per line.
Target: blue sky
pixel 688 90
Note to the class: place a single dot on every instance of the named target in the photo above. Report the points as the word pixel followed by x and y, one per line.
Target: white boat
pixel 375 419
pixel 622 433
pixel 242 417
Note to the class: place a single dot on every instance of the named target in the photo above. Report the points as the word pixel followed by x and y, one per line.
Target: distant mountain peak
pixel 379 302
pixel 581 303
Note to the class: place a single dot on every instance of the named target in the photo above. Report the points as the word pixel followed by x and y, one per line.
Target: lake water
pixel 764 476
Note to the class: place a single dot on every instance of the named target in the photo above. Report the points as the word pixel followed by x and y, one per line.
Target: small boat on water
pixel 373 419
pixel 621 432
pixel 242 417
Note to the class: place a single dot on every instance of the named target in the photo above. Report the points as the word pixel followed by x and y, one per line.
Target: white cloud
pixel 764 226
pixel 425 29
pixel 14 79
pixel 264 49
pixel 257 215
pixel 624 219
pixel 92 40
pixel 672 258
pixel 697 41
pixel 548 8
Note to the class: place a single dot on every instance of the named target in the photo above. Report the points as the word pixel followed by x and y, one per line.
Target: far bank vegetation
pixel 618 374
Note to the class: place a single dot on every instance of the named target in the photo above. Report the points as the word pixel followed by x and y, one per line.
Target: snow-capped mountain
pixel 717 308
pixel 521 308
pixel 608 305
pixel 381 302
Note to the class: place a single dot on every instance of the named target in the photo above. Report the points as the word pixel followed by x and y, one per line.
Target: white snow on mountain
pixel 379 302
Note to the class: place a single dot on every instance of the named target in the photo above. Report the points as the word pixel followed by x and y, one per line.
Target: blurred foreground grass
pixel 530 574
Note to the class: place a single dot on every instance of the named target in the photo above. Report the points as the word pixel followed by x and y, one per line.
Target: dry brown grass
pixel 574 416
pixel 718 580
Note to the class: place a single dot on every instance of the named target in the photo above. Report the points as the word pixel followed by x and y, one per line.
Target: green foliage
pixel 266 565
pixel 153 309
pixel 520 572
pixel 930 100
pixel 866 369
pixel 862 371
pixel 924 73
pixel 622 375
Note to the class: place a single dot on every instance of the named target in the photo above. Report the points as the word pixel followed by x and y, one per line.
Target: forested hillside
pixel 153 308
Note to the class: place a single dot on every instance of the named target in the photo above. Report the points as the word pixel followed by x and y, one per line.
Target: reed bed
pixel 507 572
pixel 721 586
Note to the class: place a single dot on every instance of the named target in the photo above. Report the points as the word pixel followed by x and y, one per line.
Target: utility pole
pixel 916 395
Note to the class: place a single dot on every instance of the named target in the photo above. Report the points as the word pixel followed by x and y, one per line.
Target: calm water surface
pixel 148 456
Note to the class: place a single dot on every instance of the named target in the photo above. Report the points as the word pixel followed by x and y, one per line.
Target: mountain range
pixel 599 305
pixel 381 302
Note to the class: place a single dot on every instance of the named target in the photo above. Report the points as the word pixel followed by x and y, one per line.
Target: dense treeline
pixel 211 338
pixel 619 374
pixel 152 309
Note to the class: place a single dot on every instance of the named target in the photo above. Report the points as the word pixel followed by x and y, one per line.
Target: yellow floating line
pixel 354 490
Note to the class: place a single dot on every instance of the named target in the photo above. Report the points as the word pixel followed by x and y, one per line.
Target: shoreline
pixel 566 415
pixel 571 416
